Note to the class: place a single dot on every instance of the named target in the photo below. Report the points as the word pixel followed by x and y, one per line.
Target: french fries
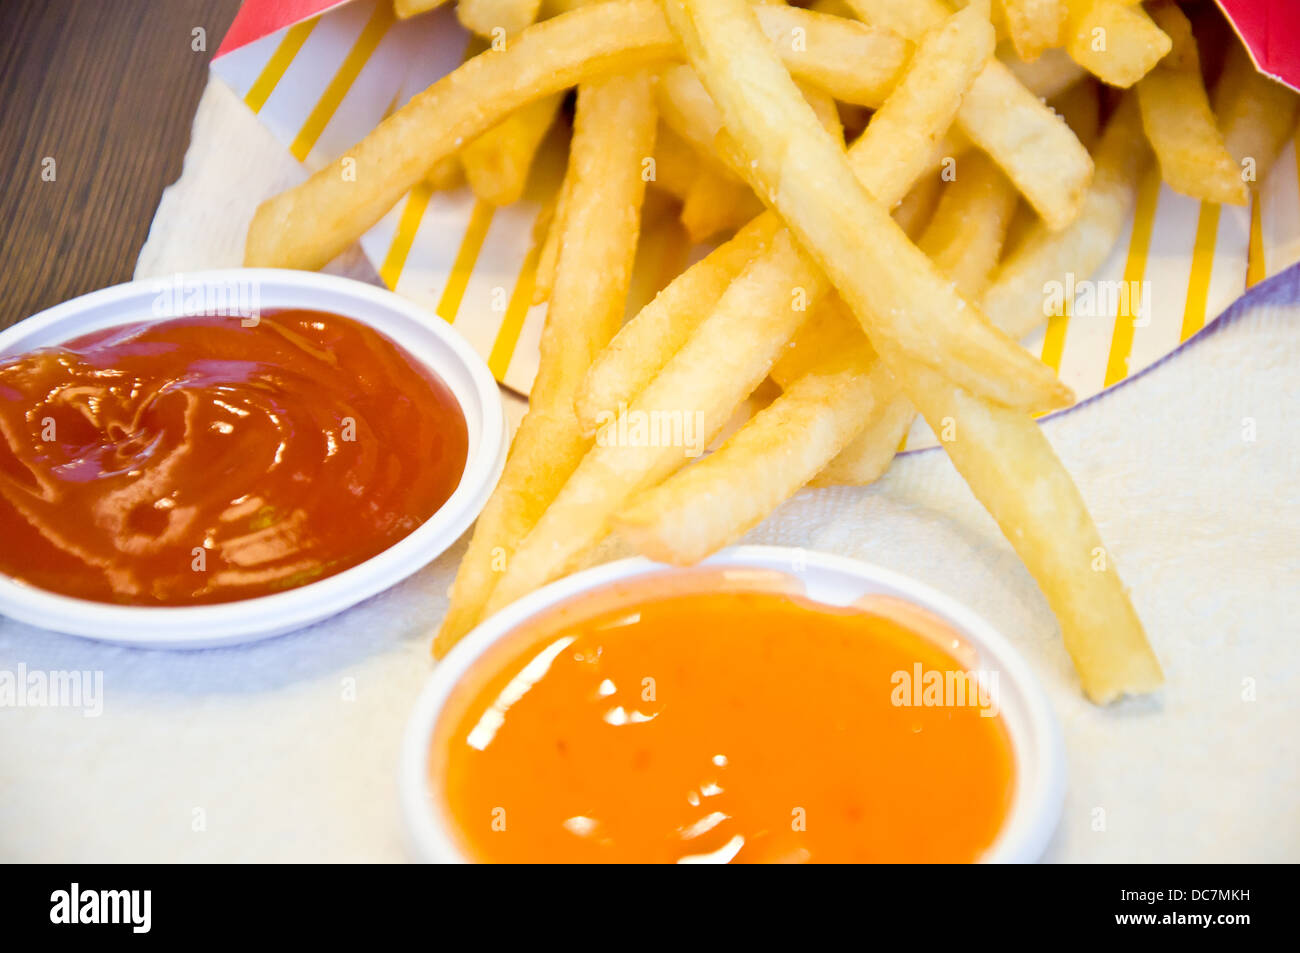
pixel 311 224
pixel 1036 150
pixel 1179 123
pixel 840 414
pixel 613 132
pixel 999 450
pixel 728 353
pixel 851 289
pixel 894 290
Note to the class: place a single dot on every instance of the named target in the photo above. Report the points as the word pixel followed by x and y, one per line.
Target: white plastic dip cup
pixel 428 339
pixel 1037 746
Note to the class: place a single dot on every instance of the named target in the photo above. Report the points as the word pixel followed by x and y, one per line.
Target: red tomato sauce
pixel 200 460
pixel 721 726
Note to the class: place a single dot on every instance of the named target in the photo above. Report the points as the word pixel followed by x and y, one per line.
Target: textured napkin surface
pixel 286 749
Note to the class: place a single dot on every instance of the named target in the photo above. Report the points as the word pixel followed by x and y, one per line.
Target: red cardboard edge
pixel 259 18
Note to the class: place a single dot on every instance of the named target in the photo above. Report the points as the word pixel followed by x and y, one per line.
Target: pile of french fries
pixel 890 183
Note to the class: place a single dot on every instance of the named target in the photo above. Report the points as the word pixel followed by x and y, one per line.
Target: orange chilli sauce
pixel 201 460
pixel 720 724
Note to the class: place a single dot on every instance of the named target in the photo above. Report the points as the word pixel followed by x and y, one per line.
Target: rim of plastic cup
pixel 1036 740
pixel 429 340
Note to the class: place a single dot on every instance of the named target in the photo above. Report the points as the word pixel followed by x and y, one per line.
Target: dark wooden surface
pixel 107 89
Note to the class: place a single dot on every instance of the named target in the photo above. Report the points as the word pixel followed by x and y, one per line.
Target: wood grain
pixel 106 89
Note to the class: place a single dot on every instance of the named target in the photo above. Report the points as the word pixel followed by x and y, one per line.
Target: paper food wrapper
pixel 320 75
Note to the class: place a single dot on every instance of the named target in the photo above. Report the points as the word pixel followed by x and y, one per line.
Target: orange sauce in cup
pixel 722 724
pixel 208 459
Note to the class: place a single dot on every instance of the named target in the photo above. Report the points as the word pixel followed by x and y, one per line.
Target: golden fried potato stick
pixel 497 163
pixel 1000 451
pixel 613 131
pixel 1011 468
pixel 1036 150
pixel 1114 40
pixel 405 9
pixel 484 17
pixel 312 223
pixel 1256 114
pixel 1034 25
pixel 892 288
pixel 1179 123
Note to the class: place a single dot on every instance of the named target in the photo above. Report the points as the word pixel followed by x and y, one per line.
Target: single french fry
pixel 1179 123
pixel 1256 114
pixel 1114 40
pixel 1034 25
pixel 647 342
pixel 892 288
pixel 485 17
pixel 614 129
pixel 311 224
pixel 497 163
pixel 1008 464
pixel 1017 298
pixel 405 9
pixel 716 501
pixel 847 60
pixel 1036 150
